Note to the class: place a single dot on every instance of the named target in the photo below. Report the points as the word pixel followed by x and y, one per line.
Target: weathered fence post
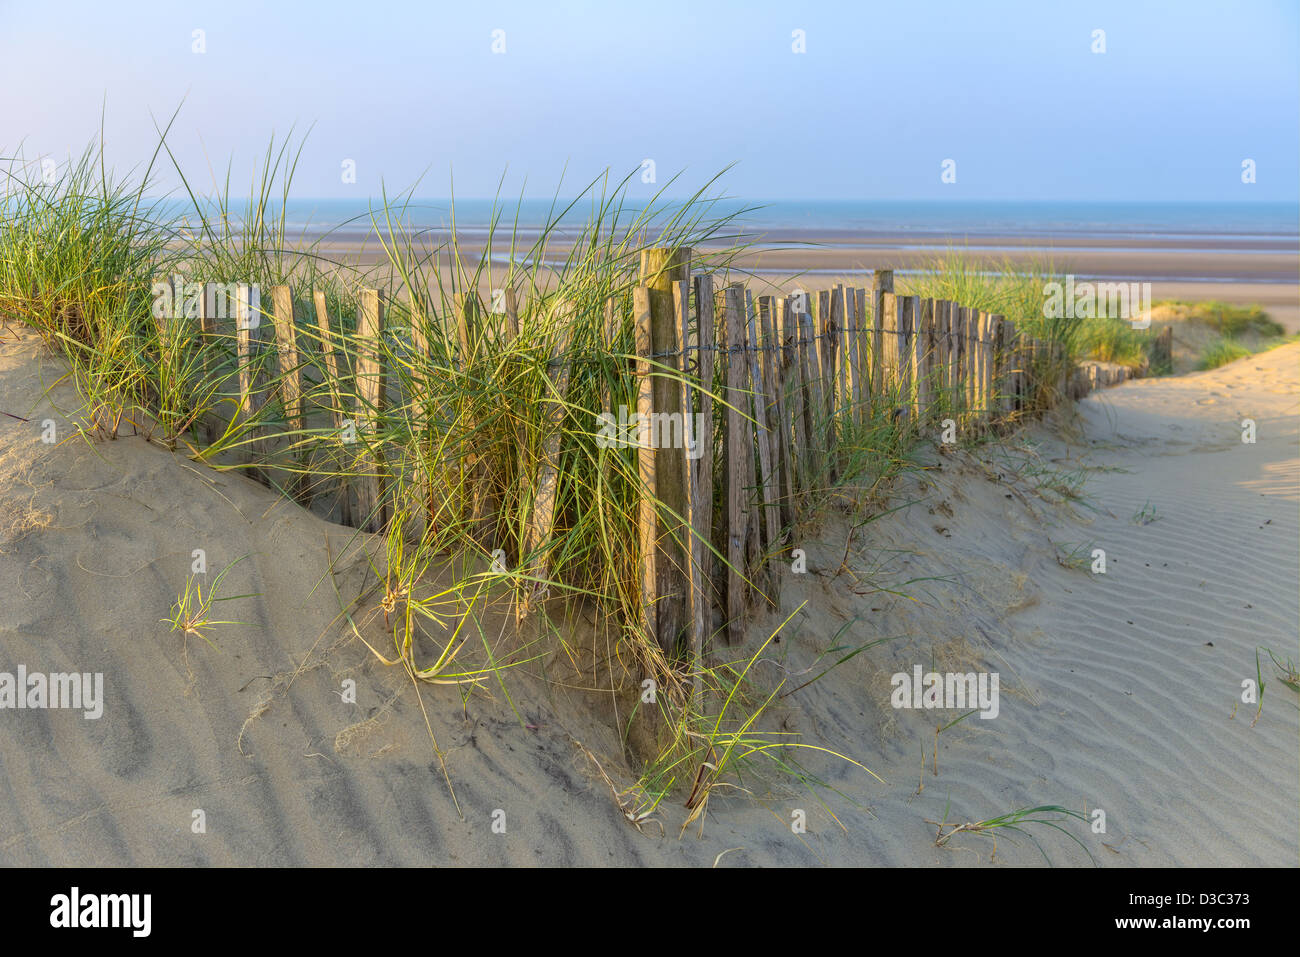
pixel 815 402
pixel 882 282
pixel 970 363
pixel 893 379
pixel 957 348
pixel 248 321
pixel 766 490
pixel 702 484
pixel 922 354
pixel 839 353
pixel 992 330
pixel 740 452
pixel 775 353
pixel 660 269
pixel 853 358
pixel 904 317
pixel 943 353
pixel 286 348
pixel 248 339
pixel 1006 369
pixel 827 336
pixel 796 363
pixel 332 377
pixel 647 522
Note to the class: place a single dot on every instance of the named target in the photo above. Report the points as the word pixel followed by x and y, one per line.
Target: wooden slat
pixel 942 356
pixel 906 386
pixel 882 282
pixel 333 384
pixel 852 355
pixel 981 368
pixel 290 373
pixel 775 353
pixel 286 341
pixel 967 379
pixel 992 332
pixel 815 403
pixel 248 347
pixel 954 360
pixel 753 480
pixel 660 269
pixel 248 321
pixel 1022 373
pixel 372 399
pixel 829 354
pixel 767 479
pixel 695 465
pixel 739 453
pixel 769 362
pixel 796 362
pixel 647 522
pixel 702 500
pixel 839 353
pixel 889 358
pixel 1006 367
pixel 922 353
pixel 958 345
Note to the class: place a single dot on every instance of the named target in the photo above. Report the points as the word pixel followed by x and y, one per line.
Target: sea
pixel 1233 229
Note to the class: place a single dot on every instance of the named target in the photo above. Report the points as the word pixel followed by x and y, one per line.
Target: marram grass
pixel 469 424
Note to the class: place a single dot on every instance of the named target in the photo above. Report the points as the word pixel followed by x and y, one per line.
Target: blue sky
pixel 884 94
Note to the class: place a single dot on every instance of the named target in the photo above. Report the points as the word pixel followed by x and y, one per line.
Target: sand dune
pixel 1117 689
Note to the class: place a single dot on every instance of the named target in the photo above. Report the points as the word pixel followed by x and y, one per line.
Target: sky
pixel 414 94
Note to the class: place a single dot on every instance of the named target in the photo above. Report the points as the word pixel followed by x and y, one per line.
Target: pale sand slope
pixel 95 542
pixel 1118 688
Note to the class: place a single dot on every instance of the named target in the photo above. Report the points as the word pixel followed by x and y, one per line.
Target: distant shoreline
pixel 1237 261
pixel 1268 278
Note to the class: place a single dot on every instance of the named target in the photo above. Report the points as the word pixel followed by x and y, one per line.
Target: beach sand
pixel 1118 690
pixel 1252 272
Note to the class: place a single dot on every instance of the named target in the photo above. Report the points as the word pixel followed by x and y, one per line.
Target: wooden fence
pixel 804 381
pixel 786 390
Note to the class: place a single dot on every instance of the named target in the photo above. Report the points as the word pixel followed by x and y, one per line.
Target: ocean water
pixel 1239 242
pixel 1273 224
